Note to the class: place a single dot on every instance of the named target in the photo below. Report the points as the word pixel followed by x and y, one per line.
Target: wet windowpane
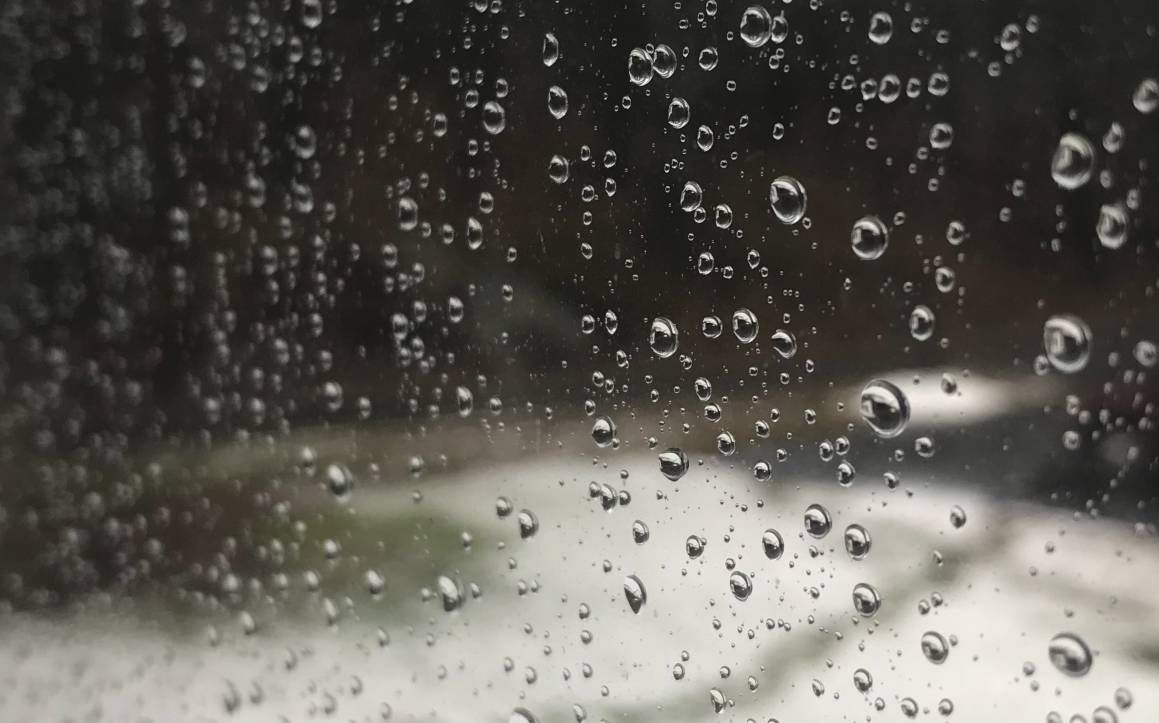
pixel 540 361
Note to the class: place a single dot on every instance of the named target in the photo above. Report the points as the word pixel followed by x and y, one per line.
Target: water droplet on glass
pixel 817 521
pixel 494 118
pixel 640 67
pixel 1070 654
pixel 741 585
pixel 866 601
pixel 935 647
pixel 673 463
pixel 857 541
pixel 884 408
pixel 1067 341
pixel 773 543
pixel 787 197
pixel 744 325
pixel 784 343
pixel 862 680
pixel 921 322
pixel 635 593
pixel 550 49
pixel 1112 225
pixel 1073 161
pixel 880 28
pixel 339 480
pixel 640 532
pixel 678 116
pixel 869 238
pixel 756 26
pixel 1146 96
pixel 528 523
pixel 604 432
pixel 557 102
pixel 663 337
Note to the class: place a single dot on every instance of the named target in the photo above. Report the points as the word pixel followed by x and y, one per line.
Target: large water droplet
pixel 528 523
pixel 451 593
pixel 635 592
pixel 857 541
pixel 787 197
pixel 744 325
pixel 494 118
pixel 1067 341
pixel 679 115
pixel 773 543
pixel 550 49
pixel 866 601
pixel 741 585
pixel 717 699
pixel 673 463
pixel 869 238
pixel 1112 225
pixel 339 481
pixel 640 67
pixel 1070 654
pixel 604 431
pixel 884 408
pixel 880 28
pixel 1073 161
pixel 935 647
pixel 663 337
pixel 921 322
pixel 756 25
pixel 1146 96
pixel 817 521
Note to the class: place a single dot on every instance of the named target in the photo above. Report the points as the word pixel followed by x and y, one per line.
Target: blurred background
pixel 329 387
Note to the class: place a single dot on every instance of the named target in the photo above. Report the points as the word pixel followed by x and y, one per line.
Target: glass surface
pixel 544 361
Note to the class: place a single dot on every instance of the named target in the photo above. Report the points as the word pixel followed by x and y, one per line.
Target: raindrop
pixel 880 28
pixel 857 541
pixel 884 408
pixel 339 481
pixel 604 431
pixel 550 49
pixel 1070 654
pixel 957 516
pixel 773 543
pixel 494 118
pixel 1146 96
pixel 866 601
pixel 528 523
pixel 1073 161
pixel 935 647
pixel 664 61
pixel 869 238
pixel 744 325
pixel 817 521
pixel 756 26
pixel 557 102
pixel 635 592
pixel 663 337
pixel 921 322
pixel 679 115
pixel 673 463
pixel 862 680
pixel 741 585
pixel 640 67
pixel 1111 227
pixel 1067 341
pixel 787 197
pixel 640 532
